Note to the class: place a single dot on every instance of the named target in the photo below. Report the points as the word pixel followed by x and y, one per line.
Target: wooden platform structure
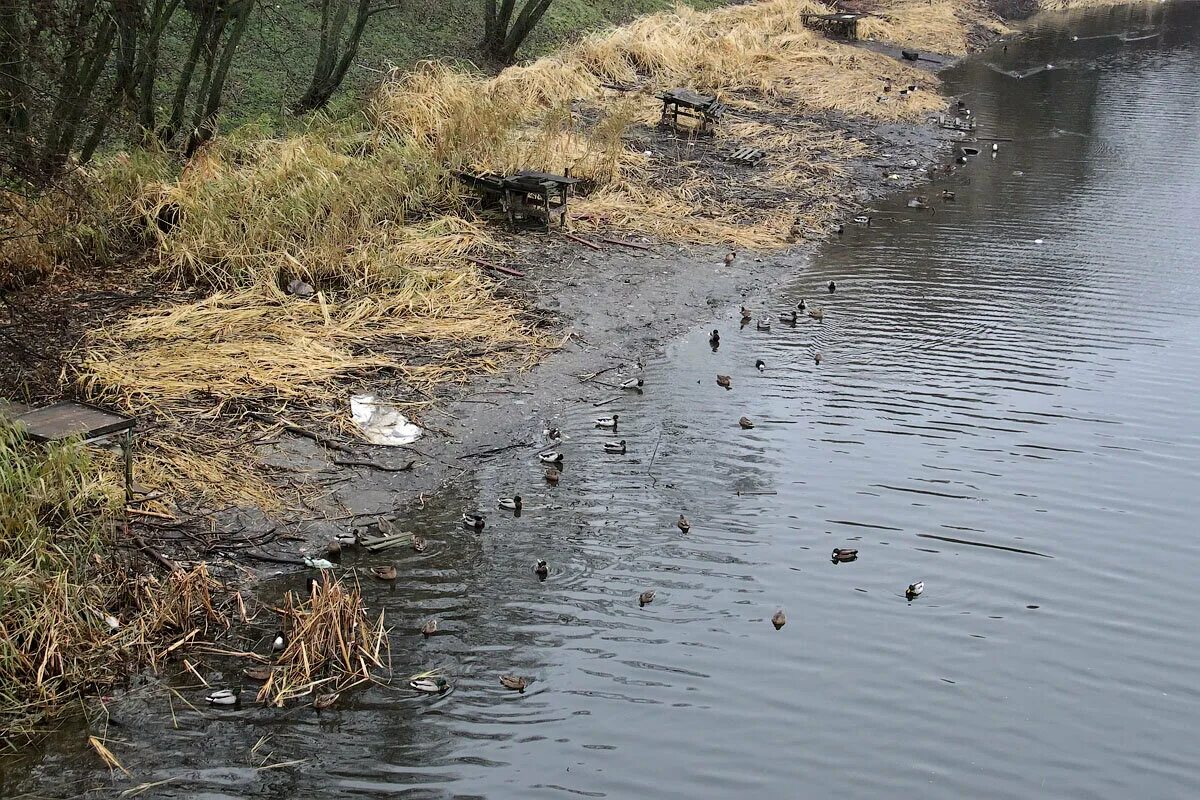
pixel 525 194
pixel 89 423
pixel 842 24
pixel 690 105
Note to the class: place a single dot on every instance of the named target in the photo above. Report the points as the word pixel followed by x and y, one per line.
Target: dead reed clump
pixel 332 645
pixel 938 26
pixel 73 608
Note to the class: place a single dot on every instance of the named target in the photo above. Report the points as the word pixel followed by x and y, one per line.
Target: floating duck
pixel 514 682
pixel 729 257
pixel 745 423
pixel 862 219
pixel 817 357
pixel 541 569
pixel 948 195
pixel 552 476
pixel 553 434
pixel 615 447
pixel 788 318
pixel 608 422
pixel 760 365
pixel 715 339
pixel 346 539
pixel 917 202
pixel 724 381
pixel 841 554
pixel 763 324
pixel 550 457
pixel 333 548
pixel 632 383
pixel 385 572
pixel 832 287
pixel 995 147
pixel 682 523
pixel 429 685
pixel 915 589
pixel 511 503
pixel 961 159
pixel 646 597
pixel 258 673
pixel 429 628
pixel 324 701
pixel 801 305
pixel 472 519
pixel 746 315
pixel 779 619
pixel 279 642
pixel 817 313
pixel 223 697
pixel 419 543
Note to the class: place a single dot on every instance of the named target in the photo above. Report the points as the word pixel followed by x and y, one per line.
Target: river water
pixel 1016 370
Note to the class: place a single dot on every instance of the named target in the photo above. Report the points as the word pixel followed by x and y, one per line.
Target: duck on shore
pixel 633 383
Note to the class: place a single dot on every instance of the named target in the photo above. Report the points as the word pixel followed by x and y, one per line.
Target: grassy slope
pixel 271 67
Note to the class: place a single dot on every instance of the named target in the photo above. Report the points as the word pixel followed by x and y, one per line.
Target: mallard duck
pixel 841 554
pixel 801 305
pixel 429 628
pixel 862 219
pixel 419 543
pixel 724 381
pixel 223 697
pixel 608 422
pixel 916 202
pixel 258 673
pixel 961 160
pixel 473 519
pixel 541 569
pixel 745 423
pixel 646 597
pixel 633 383
pixel 553 434
pixel 550 457
pixel 887 87
pixel 914 589
pixel 729 257
pixel 832 287
pixel 429 685
pixel 552 476
pixel 817 358
pixel 779 619
pixel 683 524
pixel 333 548
pixel 715 338
pixel 763 324
pixel 385 572
pixel 615 447
pixel 788 318
pixel 279 643
pixel 760 365
pixel 324 701
pixel 346 539
pixel 511 503
pixel 514 682
pixel 816 313
pixel 948 195
pixel 746 315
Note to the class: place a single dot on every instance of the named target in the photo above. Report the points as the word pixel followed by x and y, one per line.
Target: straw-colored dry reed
pixel 73 612
pixel 331 644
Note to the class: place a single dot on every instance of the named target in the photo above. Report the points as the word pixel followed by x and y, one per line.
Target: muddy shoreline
pixel 611 309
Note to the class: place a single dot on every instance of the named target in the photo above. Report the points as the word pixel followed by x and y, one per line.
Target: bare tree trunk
pixel 205 123
pixel 331 68
pixel 502 34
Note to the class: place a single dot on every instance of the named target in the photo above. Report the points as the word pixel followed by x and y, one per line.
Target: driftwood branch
pixel 581 240
pixel 489 265
pixel 352 462
pixel 324 441
pixel 634 245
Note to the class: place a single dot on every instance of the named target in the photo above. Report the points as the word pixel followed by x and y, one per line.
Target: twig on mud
pixel 497 450
pixel 351 462
pixel 634 245
pixel 606 402
pixel 165 562
pixel 324 441
pixel 489 265
pixel 581 240
pixel 586 378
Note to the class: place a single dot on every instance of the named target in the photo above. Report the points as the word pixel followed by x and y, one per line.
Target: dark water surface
pixel 1018 369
